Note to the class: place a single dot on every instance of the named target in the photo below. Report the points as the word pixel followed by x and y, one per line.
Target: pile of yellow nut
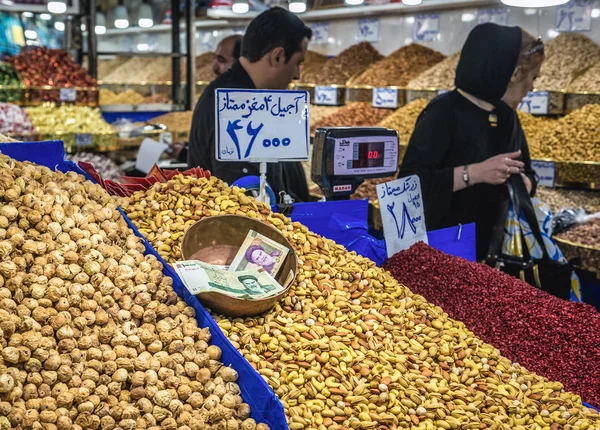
pixel 351 348
pixel 92 335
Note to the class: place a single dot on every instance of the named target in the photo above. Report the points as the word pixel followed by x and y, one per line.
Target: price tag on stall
pixel 327 96
pixel 426 27
pixel 320 32
pixel 83 139
pixel 261 125
pixel 535 103
pixel 368 30
pixel 68 94
pixel 385 98
pixel 402 213
pixel 576 15
pixel 545 171
pixel 496 15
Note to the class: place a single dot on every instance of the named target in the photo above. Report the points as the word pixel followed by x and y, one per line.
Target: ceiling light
pixel 145 16
pixel 530 11
pixel 30 34
pixel 534 3
pixel 410 20
pixel 100 23
pixel 412 2
pixel 121 18
pixel 55 6
pixel 240 6
pixel 467 17
pixel 46 16
pixel 83 27
pixel 142 47
pixel 595 13
pixel 297 6
pixel 59 26
pixel 7 2
pixel 552 33
pixel 27 14
pixel 354 2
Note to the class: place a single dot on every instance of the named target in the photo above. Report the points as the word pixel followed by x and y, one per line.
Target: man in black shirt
pixel 273 49
pixel 227 52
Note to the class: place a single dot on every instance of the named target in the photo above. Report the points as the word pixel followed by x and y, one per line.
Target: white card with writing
pixel 496 15
pixel 261 125
pixel 385 98
pixel 327 96
pixel 320 34
pixel 545 171
pixel 535 103
pixel 402 213
pixel 576 15
pixel 368 30
pixel 68 94
pixel 426 27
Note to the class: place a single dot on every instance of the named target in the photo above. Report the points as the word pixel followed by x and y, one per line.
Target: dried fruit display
pixel 398 68
pixel 106 167
pixel 92 333
pixel 140 70
pixel 349 63
pixel 587 81
pixel 403 120
pixel 312 63
pixel 559 199
pixel 440 76
pixel 9 78
pixel 14 120
pixel 358 114
pixel 105 67
pixel 68 119
pixel 350 347
pixel 175 121
pixel 127 97
pixel 566 56
pixel 5 139
pixel 587 234
pixel 533 127
pixel 574 137
pixel 553 337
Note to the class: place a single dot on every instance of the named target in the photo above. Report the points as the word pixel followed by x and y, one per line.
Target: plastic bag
pixel 516 230
pixel 567 218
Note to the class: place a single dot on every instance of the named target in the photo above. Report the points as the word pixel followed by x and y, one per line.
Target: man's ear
pixel 277 57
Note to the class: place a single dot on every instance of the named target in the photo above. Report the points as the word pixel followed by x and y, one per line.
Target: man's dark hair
pixel 271 29
pixel 237 47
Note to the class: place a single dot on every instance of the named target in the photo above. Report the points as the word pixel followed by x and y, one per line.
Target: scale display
pixel 365 155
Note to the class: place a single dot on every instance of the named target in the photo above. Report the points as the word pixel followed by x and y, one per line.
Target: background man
pixel 273 49
pixel 227 52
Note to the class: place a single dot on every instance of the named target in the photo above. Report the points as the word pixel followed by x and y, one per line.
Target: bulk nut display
pixel 350 62
pixel 350 347
pixel 398 68
pixel 403 119
pixel 440 76
pixel 107 66
pixel 92 335
pixel 127 97
pixel 587 234
pixel 318 113
pixel 559 199
pixel 5 139
pixel 175 121
pixel 566 56
pixel 554 337
pixel 357 114
pixel 106 167
pixel 148 69
pixel 312 63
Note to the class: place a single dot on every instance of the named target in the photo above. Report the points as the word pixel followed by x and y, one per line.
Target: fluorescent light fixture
pixel 354 2
pixel 100 23
pixel 30 34
pixel 552 33
pixel 55 6
pixel 410 20
pixel 297 6
pixel 412 2
pixel 46 16
pixel 27 14
pixel 59 26
pixel 121 18
pixel 83 27
pixel 595 13
pixel 240 6
pixel 145 16
pixel 142 47
pixel 467 17
pixel 534 3
pixel 7 2
pixel 530 11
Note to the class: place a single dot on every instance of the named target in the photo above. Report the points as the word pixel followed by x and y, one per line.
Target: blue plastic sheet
pixel 111 117
pixel 265 405
pixel 458 241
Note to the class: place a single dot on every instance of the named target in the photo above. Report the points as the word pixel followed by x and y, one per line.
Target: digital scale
pixel 343 157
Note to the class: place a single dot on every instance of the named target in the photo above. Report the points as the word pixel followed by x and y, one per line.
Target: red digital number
pixel 373 154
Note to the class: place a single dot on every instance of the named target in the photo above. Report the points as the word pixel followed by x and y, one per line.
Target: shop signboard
pixel 426 27
pixel 261 125
pixel 575 16
pixel 368 30
pixel 402 213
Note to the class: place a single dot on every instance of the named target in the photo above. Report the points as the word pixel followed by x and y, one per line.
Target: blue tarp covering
pixel 265 405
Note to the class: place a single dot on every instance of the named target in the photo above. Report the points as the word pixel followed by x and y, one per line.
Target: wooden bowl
pixel 216 240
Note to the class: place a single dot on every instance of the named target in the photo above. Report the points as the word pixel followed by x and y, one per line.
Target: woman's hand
pixel 496 170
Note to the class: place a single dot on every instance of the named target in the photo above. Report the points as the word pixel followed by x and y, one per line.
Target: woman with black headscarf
pixel 468 142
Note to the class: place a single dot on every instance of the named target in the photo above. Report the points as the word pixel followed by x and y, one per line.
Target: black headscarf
pixel 488 60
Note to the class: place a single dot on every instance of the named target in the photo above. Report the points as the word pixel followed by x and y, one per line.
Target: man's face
pixel 262 258
pixel 223 57
pixel 290 71
pixel 251 284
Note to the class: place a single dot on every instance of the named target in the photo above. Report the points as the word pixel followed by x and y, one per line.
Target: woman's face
pixel 520 85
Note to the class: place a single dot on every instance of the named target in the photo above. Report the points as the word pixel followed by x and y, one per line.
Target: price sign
pixel 535 103
pixel 83 139
pixel 385 98
pixel 426 27
pixel 68 94
pixel 545 171
pixel 261 125
pixel 326 96
pixel 402 213
pixel 320 34
pixel 575 16
pixel 496 15
pixel 368 30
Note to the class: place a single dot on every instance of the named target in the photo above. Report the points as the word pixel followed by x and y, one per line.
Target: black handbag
pixel 549 275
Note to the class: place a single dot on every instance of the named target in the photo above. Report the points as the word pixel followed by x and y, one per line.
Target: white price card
pixel 326 96
pixel 402 213
pixel 535 103
pixel 68 94
pixel 368 30
pixel 576 15
pixel 83 139
pixel 320 34
pixel 496 15
pixel 148 155
pixel 261 125
pixel 385 98
pixel 426 27
pixel 545 171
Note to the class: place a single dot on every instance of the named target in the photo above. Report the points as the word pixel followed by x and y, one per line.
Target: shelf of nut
pixel 578 174
pixel 428 94
pixel 365 94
